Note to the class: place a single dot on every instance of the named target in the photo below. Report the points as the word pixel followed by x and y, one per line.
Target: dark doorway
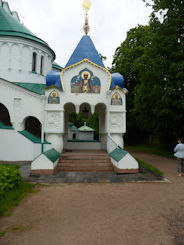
pixel 33 126
pixel 4 115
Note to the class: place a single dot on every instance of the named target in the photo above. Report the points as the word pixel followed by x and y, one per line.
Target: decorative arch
pixel 116 99
pixel 100 107
pixel 4 115
pixel 33 126
pixel 85 109
pixel 69 107
pixel 54 97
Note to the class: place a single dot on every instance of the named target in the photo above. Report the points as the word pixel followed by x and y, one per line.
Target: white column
pixel 56 140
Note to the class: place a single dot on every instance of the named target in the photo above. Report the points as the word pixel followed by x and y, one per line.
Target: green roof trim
pixel 32 138
pixel 118 154
pixel 33 87
pixel 9 26
pixel 3 126
pixel 56 66
pixel 52 155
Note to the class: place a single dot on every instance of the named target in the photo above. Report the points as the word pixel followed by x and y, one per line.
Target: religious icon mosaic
pixel 85 82
pixel 116 99
pixel 54 98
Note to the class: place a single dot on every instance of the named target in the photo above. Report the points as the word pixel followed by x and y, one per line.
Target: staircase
pixel 85 161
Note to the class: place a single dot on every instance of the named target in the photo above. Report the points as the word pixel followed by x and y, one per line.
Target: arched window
pixel 33 126
pixel 4 115
pixel 34 62
pixel 54 98
pixel 41 65
pixel 116 99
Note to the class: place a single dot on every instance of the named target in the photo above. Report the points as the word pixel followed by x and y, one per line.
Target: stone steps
pixel 85 162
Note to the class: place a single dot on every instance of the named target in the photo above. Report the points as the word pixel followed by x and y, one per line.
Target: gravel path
pixel 102 214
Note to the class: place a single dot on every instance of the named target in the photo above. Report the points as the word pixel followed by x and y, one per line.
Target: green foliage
pixel 92 122
pixel 150 167
pixel 152 61
pixel 150 149
pixel 9 178
pixel 12 197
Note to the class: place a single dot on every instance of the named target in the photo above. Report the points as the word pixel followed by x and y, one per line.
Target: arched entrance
pixel 33 126
pixel 4 115
pixel 101 110
pixel 85 129
pixel 69 108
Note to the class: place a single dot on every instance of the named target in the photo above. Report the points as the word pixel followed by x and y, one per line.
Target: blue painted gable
pixel 85 49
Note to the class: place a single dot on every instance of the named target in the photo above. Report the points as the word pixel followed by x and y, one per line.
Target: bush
pixel 9 178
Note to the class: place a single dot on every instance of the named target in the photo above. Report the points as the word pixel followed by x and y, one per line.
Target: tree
pixel 126 60
pixel 159 96
pixel 152 62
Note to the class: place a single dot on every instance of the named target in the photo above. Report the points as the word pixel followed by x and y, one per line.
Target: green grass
pixel 151 149
pixel 2 233
pixel 13 197
pixel 150 167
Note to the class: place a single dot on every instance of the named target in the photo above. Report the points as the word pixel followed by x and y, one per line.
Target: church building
pixel 37 97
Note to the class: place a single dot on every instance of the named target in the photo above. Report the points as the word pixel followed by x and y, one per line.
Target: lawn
pixel 12 188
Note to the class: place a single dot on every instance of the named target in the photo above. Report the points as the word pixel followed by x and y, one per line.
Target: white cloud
pixel 60 22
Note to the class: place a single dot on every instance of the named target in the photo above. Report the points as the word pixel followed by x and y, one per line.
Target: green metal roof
pixel 86 128
pixel 33 87
pixel 32 138
pixel 52 155
pixel 118 154
pixel 9 26
pixel 3 126
pixel 72 127
pixel 56 66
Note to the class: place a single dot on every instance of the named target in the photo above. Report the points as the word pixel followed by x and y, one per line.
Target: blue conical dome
pixel 85 50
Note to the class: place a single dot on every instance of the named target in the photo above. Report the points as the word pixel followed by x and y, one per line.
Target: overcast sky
pixel 60 22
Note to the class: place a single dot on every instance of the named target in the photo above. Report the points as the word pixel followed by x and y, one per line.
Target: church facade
pixel 37 96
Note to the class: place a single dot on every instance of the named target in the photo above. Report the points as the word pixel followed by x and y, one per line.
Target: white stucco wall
pixel 15 147
pixel 16 60
pixel 21 104
pixel 92 99
pixel 86 136
pixel 127 162
pixel 71 133
pixel 83 146
pixel 43 163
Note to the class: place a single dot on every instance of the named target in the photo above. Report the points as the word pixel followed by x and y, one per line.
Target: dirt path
pixel 100 214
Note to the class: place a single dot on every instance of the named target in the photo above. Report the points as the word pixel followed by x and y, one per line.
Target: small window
pixel 54 98
pixel 34 62
pixel 41 65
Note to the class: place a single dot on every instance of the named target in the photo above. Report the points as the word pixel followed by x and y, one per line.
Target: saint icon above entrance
pixel 85 82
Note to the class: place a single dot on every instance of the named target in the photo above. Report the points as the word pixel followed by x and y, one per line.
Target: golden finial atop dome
pixel 86 4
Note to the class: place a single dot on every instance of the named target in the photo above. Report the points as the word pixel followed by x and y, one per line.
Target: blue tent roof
pixel 85 49
pixel 53 78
